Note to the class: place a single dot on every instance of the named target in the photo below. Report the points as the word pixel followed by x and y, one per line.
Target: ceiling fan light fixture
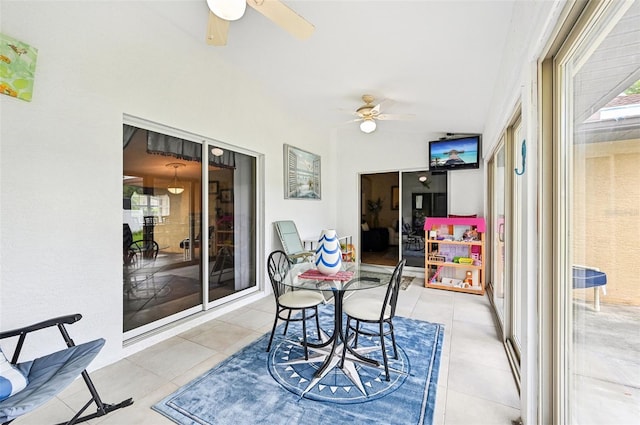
pixel 217 152
pixel 368 125
pixel 422 178
pixel 229 10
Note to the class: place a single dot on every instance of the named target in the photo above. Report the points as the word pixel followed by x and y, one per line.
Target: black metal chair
pixel 375 310
pixel 289 300
pixel 47 376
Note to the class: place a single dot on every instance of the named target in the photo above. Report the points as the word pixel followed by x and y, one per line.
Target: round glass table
pixel 351 278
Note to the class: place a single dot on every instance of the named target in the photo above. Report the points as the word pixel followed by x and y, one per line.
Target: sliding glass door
pixel 498 264
pixel 180 254
pixel 424 194
pixel 598 193
pixel 394 206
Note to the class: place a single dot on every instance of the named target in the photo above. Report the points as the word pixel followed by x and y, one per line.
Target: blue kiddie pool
pixel 590 277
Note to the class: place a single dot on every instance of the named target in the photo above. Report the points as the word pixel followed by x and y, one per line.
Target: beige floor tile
pixel 221 336
pixel 199 369
pixel 140 413
pixel 252 319
pixel 465 409
pixel 478 380
pixel 54 411
pixel 175 359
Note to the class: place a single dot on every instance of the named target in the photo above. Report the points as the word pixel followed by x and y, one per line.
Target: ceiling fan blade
pixel 395 117
pixel 283 16
pixel 217 30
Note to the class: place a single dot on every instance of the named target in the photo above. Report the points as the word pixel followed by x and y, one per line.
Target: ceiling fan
pixel 221 12
pixel 369 113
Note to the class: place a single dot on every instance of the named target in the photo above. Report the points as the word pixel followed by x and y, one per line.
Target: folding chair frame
pixel 59 322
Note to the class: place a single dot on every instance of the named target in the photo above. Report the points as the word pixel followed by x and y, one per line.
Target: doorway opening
pixel 393 208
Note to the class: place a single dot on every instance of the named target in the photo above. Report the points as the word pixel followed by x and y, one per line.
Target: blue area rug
pixel 256 387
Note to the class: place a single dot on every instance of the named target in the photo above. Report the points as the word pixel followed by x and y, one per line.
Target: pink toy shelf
pixel 454 249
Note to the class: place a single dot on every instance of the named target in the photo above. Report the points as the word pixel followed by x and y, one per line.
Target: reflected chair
pixel 291 242
pixel 143 250
pixel 590 277
pixel 369 309
pixel 289 300
pixel 139 269
pixel 185 244
pixel 127 238
pixel 47 376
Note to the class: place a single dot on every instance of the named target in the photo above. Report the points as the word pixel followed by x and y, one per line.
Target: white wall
pixel 61 154
pixel 379 152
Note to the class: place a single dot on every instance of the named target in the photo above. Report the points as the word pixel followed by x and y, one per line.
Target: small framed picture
pixel 226 195
pixel 213 187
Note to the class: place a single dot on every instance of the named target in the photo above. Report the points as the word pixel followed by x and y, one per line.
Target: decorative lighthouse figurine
pixel 328 254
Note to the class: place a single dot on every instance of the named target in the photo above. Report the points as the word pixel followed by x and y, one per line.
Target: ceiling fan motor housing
pixel 369 109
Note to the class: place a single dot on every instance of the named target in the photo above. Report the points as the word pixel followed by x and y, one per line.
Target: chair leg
pixel 102 408
pixel 596 298
pixel 273 330
pixel 384 352
pixel 393 340
pixel 357 330
pixel 318 324
pixel 286 326
pixel 346 341
pixel 304 333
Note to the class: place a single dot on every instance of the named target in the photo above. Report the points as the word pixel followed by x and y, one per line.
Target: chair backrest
pixel 289 237
pixel 391 297
pixel 278 266
pixel 142 253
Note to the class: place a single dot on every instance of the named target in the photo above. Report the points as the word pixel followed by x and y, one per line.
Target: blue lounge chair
pixel 48 375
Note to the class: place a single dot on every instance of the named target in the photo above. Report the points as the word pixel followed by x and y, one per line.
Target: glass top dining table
pixel 352 277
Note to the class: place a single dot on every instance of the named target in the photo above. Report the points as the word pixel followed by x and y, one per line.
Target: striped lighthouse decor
pixel 328 254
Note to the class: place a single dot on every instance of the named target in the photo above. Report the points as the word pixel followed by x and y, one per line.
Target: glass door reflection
pixel 423 195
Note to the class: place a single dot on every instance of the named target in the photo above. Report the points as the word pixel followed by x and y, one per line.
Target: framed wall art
pixel 17 68
pixel 301 174
pixel 213 187
pixel 226 195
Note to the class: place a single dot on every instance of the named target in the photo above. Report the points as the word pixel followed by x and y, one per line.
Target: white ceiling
pixel 435 59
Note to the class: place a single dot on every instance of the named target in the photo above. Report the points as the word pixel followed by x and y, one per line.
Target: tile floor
pixel 475 385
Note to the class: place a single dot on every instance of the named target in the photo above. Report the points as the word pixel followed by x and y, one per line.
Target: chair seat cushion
pixel 364 308
pixel 300 299
pixel 12 380
pixel 48 376
pixel 588 278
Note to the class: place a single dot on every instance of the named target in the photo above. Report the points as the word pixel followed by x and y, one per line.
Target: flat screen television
pixel 454 154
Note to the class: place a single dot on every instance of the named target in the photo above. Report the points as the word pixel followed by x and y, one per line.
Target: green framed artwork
pixel 17 67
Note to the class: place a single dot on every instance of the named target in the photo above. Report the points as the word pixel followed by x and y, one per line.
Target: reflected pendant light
pixel 175 187
pixel 229 10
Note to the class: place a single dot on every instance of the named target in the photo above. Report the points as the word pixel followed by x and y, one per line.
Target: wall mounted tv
pixel 455 153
